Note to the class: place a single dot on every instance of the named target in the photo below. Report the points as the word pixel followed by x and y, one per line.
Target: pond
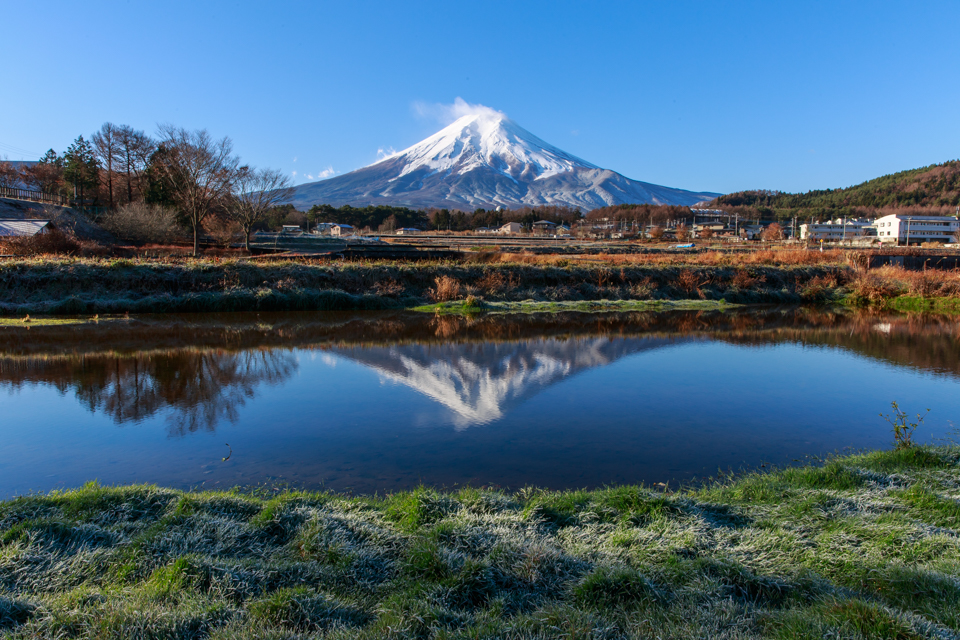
pixel 379 402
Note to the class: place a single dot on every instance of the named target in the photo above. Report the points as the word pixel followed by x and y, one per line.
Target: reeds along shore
pixel 863 546
pixel 65 286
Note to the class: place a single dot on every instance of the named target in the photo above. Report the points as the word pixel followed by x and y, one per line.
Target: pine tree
pixel 80 168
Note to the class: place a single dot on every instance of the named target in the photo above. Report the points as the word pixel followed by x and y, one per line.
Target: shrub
pixel 141 222
pixel 902 428
pixel 50 242
pixel 446 289
pixel 688 281
pixel 494 282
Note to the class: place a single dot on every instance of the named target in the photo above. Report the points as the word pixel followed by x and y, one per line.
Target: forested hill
pixel 934 189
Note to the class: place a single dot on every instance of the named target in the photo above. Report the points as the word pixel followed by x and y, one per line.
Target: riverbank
pixel 61 287
pixel 90 286
pixel 864 546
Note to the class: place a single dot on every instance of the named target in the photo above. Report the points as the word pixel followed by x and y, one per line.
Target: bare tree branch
pixel 255 191
pixel 199 172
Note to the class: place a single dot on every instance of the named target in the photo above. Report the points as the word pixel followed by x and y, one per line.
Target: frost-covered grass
pixel 862 547
pixel 65 286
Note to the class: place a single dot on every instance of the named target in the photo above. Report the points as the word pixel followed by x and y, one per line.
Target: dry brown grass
pixel 388 287
pixel 742 279
pixel 494 282
pixel 930 283
pixel 688 281
pixel 445 289
pixel 771 257
pixel 53 242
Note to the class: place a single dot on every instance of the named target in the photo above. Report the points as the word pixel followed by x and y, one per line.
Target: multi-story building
pixel 900 228
pixel 837 230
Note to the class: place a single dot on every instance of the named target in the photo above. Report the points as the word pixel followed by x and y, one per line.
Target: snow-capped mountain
pixel 486 160
pixel 480 382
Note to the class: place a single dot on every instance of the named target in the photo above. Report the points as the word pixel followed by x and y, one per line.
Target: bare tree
pixel 199 172
pixel 9 176
pixel 255 191
pixel 107 148
pixel 45 175
pixel 136 147
pixel 772 233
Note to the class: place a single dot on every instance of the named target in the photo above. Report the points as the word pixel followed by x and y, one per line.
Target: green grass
pixel 924 305
pixel 863 546
pixel 461 307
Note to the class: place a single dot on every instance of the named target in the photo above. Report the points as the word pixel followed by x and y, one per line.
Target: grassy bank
pixel 864 546
pixel 90 286
pixel 473 306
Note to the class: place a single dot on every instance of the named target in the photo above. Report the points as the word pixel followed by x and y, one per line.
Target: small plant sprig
pixel 903 430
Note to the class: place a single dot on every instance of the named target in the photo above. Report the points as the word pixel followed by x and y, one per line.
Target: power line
pixel 13 149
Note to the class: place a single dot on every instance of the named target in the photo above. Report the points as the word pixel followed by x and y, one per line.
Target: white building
pixel 510 227
pixel 341 230
pixel 899 228
pixel 837 230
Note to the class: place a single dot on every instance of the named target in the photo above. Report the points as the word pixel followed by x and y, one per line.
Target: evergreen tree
pixel 81 169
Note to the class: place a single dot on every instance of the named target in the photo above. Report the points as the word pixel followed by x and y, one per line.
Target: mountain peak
pixel 486 139
pixel 485 159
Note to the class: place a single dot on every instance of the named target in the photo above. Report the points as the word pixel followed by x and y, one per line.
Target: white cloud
pixel 294 158
pixel 328 360
pixel 385 153
pixel 326 173
pixel 294 174
pixel 309 176
pixel 447 113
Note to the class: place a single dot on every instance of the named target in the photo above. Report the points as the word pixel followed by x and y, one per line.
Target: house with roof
pixel 544 227
pixel 323 228
pixel 510 228
pixel 341 230
pixel 17 228
pixel 407 231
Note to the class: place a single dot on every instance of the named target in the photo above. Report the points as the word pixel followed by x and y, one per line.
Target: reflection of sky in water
pixel 555 412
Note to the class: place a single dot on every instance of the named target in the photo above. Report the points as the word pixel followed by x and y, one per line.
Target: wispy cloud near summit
pixel 447 113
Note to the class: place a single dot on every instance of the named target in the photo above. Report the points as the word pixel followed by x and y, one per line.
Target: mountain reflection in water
pixel 200 370
pixel 373 402
pixel 480 382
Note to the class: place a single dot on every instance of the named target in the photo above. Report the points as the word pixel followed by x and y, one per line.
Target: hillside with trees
pixel 931 190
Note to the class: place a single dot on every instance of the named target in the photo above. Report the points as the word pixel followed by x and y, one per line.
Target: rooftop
pixel 22 228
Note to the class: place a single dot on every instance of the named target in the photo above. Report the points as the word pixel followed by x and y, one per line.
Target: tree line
pixel 153 186
pixel 933 190
pixel 386 219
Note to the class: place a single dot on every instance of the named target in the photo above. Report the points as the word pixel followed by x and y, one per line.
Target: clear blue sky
pixel 714 96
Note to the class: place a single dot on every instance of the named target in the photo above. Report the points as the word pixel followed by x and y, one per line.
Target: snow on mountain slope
pixel 486 160
pixel 487 140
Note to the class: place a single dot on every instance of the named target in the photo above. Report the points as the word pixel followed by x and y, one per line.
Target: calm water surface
pixel 387 401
